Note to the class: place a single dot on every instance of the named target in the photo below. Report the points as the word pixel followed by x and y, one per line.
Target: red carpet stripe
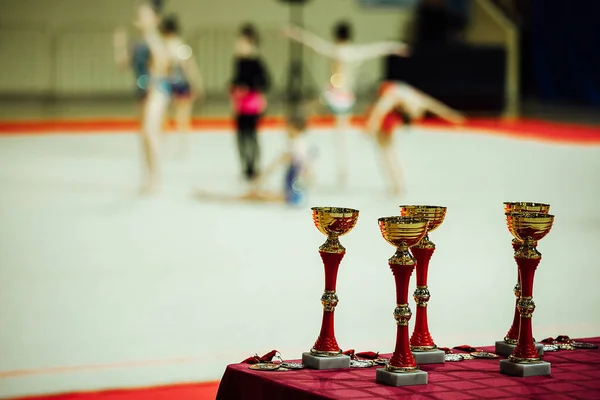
pixel 186 391
pixel 529 129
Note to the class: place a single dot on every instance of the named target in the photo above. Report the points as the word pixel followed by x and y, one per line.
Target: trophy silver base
pixel 332 362
pixel 508 367
pixel 401 378
pixel 505 349
pixel 429 357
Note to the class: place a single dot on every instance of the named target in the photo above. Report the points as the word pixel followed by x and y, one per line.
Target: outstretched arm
pixel 121 52
pixel 310 40
pixel 364 52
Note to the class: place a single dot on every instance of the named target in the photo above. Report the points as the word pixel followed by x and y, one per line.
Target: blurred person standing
pixel 250 82
pixel 184 77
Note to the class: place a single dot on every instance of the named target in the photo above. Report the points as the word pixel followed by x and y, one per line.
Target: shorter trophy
pixel 422 345
pixel 507 346
pixel 333 222
pixel 528 229
pixel 402 233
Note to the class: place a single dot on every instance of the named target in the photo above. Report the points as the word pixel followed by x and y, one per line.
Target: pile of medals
pixel 266 363
pixel 563 342
pixel 470 353
pixel 366 359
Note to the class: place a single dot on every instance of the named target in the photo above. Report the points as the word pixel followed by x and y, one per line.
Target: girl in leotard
pixel 185 78
pixel 399 102
pixel 346 58
pixel 158 95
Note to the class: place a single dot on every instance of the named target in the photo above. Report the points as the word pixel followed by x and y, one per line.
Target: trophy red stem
pixel 402 357
pixel 513 332
pixel 326 340
pixel 421 336
pixel 331 262
pixel 525 346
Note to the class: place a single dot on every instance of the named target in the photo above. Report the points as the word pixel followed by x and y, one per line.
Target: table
pixel 575 375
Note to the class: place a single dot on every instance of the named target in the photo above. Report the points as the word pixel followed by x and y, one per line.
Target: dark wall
pixel 470 78
pixel 565 46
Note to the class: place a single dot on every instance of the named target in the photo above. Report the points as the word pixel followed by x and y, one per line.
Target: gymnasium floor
pixel 101 288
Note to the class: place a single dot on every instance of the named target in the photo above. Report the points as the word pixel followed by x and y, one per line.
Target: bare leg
pixel 390 162
pixel 342 122
pixel 183 118
pixel 156 107
pixel 440 109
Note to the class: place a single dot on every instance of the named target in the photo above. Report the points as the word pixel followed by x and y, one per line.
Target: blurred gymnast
pixel 249 84
pixel 185 78
pixel 297 162
pixel 399 102
pixel 135 55
pixel 346 57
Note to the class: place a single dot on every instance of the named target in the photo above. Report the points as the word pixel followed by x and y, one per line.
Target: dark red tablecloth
pixel 575 375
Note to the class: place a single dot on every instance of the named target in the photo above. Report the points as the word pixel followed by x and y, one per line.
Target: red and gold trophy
pixel 402 233
pixel 507 346
pixel 422 345
pixel 333 222
pixel 528 228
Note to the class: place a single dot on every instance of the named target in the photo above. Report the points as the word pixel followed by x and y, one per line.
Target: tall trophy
pixel 402 233
pixel 332 222
pixel 422 345
pixel 528 228
pixel 507 346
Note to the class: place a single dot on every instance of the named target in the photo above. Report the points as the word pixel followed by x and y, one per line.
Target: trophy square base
pixel 333 362
pixel 401 378
pixel 521 370
pixel 505 349
pixel 429 357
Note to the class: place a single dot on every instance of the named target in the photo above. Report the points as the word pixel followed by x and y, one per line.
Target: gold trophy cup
pixel 402 233
pixel 332 222
pixel 528 228
pixel 422 345
pixel 506 347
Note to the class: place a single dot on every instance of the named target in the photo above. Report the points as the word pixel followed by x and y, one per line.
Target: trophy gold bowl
pixel 402 233
pixel 421 343
pixel 332 222
pixel 528 229
pixel 506 346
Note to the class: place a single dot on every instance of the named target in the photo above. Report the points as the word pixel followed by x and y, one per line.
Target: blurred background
pixel 520 55
pixel 101 288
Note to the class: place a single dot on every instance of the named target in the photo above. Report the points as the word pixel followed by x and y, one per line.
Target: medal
pixel 292 365
pixel 566 346
pixel 381 361
pixel 265 366
pixel 581 345
pixel 483 354
pixel 467 356
pixel 361 363
pixel 453 357
pixel 550 347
